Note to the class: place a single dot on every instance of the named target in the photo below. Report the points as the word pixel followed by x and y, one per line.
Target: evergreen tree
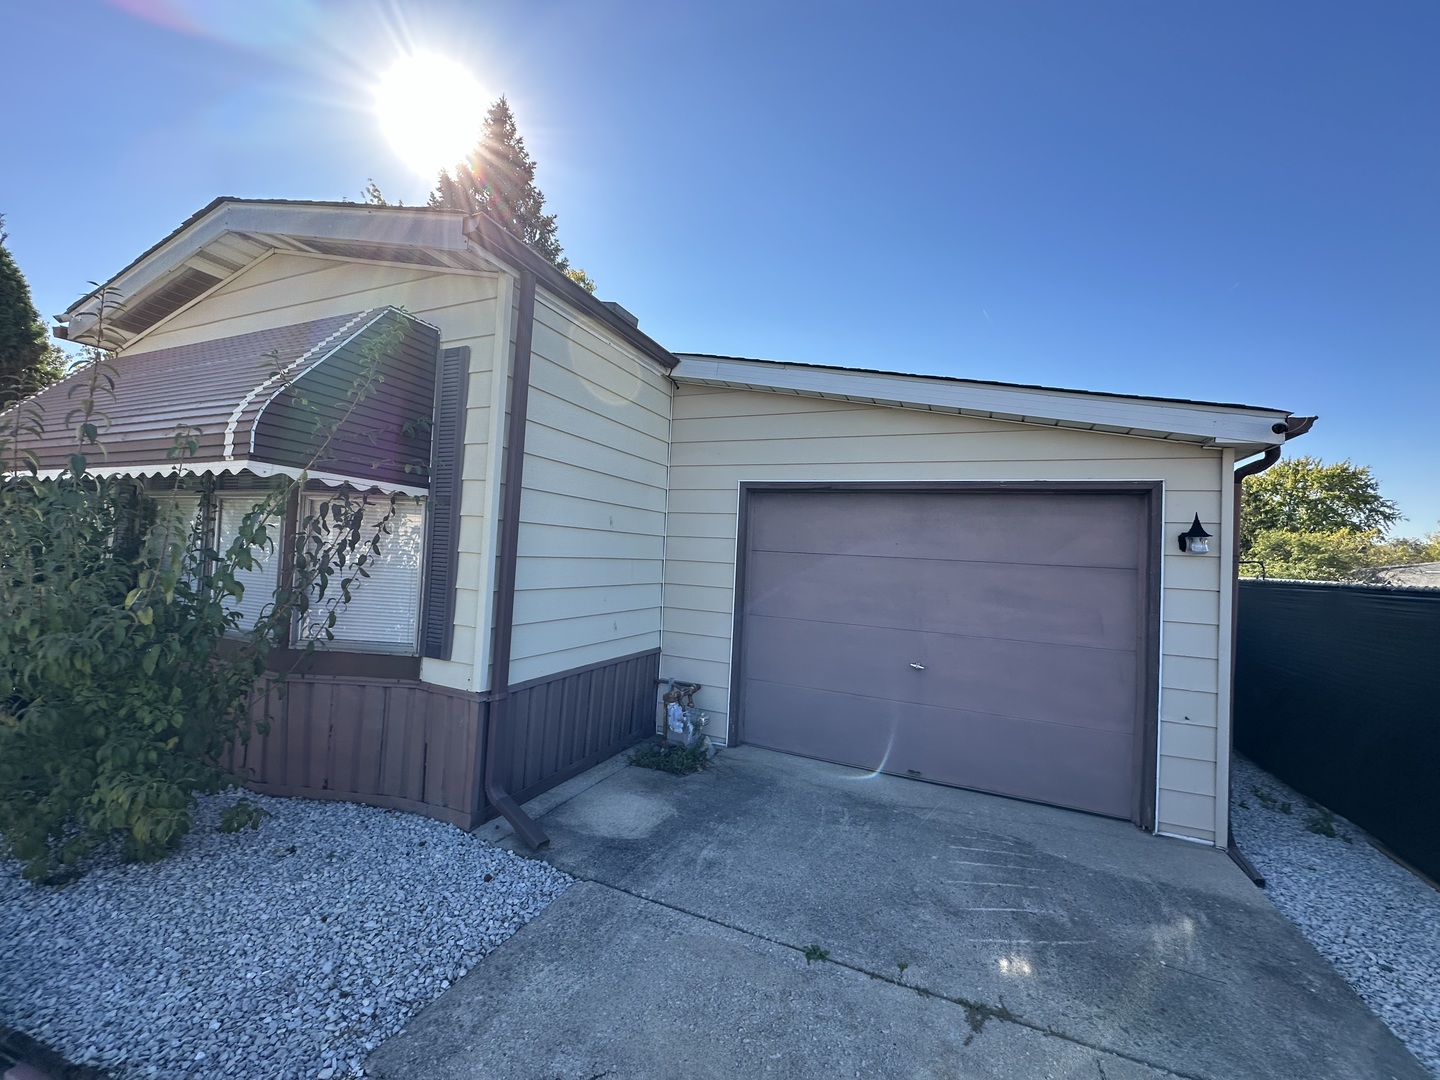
pixel 29 360
pixel 498 177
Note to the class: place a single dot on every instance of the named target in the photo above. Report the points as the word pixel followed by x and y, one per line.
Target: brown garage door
pixel 989 640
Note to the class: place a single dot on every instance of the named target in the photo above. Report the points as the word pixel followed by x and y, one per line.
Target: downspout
pixel 1291 428
pixel 509 548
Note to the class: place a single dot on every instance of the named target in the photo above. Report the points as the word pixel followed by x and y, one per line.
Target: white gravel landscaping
pixel 292 950
pixel 1374 920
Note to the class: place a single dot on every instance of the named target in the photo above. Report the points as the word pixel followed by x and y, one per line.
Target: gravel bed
pixel 292 950
pixel 1375 921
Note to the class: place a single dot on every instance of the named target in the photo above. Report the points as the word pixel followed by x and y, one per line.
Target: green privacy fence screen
pixel 1337 693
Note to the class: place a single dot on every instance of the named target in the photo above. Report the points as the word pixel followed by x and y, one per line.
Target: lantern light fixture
pixel 1195 540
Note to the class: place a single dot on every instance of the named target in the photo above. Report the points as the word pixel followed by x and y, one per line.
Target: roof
pixel 280 400
pixel 1425 574
pixel 1245 428
pixel 227 235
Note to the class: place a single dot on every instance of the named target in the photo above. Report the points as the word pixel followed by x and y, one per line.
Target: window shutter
pixel 447 446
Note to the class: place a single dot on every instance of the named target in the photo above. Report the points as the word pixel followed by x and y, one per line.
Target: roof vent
pixel 618 310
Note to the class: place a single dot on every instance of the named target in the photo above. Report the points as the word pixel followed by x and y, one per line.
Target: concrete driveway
pixel 950 934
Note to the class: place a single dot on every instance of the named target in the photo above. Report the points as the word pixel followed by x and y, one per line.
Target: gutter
pixel 509 549
pixel 1290 428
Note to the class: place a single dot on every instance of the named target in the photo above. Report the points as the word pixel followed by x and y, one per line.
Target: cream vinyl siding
pixel 592 518
pixel 283 288
pixel 722 437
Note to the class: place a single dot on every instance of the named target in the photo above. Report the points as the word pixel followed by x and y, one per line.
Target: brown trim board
pixel 1148 692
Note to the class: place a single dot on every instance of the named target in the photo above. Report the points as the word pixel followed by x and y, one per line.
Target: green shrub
pixel 675 759
pixel 117 705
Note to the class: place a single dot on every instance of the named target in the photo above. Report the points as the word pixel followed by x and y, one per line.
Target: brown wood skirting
pixel 562 725
pixel 408 745
pixel 393 743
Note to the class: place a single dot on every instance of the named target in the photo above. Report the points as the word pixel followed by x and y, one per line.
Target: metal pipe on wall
pixel 1291 428
pixel 509 548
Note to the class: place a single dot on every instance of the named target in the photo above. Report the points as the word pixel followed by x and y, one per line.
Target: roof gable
pixel 229 234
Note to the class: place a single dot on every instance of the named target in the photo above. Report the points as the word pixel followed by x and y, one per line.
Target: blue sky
pixel 1228 200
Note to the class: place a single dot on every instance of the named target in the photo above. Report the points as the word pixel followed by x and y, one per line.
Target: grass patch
pixel 676 760
pixel 1269 802
pixel 1322 823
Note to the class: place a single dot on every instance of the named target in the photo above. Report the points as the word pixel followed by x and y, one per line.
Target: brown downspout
pixel 509 548
pixel 1291 428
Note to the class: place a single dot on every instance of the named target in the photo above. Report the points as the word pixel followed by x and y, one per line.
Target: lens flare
pixel 431 109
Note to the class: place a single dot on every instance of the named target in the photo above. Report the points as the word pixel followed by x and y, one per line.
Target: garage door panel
pixel 1059 604
pixel 1027 759
pixel 991 640
pixel 1100 530
pixel 1084 687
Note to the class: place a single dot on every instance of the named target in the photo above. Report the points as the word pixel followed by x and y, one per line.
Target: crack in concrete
pixel 977 1013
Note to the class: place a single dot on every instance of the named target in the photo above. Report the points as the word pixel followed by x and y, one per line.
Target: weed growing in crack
pixel 976 1019
pixel 815 952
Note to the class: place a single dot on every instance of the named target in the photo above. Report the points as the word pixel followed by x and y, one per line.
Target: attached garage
pixel 999 638
pixel 975 584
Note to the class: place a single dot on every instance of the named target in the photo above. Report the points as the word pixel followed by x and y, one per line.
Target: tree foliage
pixel 498 177
pixel 372 195
pixel 1306 495
pixel 117 703
pixel 1326 555
pixel 29 360
pixel 1305 519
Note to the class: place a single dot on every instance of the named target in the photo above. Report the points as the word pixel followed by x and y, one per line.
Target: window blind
pixel 384 609
pixel 259 583
pixel 174 523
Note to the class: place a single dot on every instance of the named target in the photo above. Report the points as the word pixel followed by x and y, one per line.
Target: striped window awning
pixel 347 399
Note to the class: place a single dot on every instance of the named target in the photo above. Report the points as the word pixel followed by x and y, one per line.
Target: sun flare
pixel 431 109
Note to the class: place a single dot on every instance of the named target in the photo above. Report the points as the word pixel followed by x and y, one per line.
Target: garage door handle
pixel 918 667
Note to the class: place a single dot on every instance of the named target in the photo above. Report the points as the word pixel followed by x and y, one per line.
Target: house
pixel 971 583
pixel 1412 575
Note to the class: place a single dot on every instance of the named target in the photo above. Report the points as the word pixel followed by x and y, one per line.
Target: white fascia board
pixel 1210 425
pixel 438 229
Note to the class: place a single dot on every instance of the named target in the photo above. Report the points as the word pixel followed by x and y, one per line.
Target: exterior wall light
pixel 1195 539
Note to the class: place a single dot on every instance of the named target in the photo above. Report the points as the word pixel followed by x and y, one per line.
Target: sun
pixel 431 109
